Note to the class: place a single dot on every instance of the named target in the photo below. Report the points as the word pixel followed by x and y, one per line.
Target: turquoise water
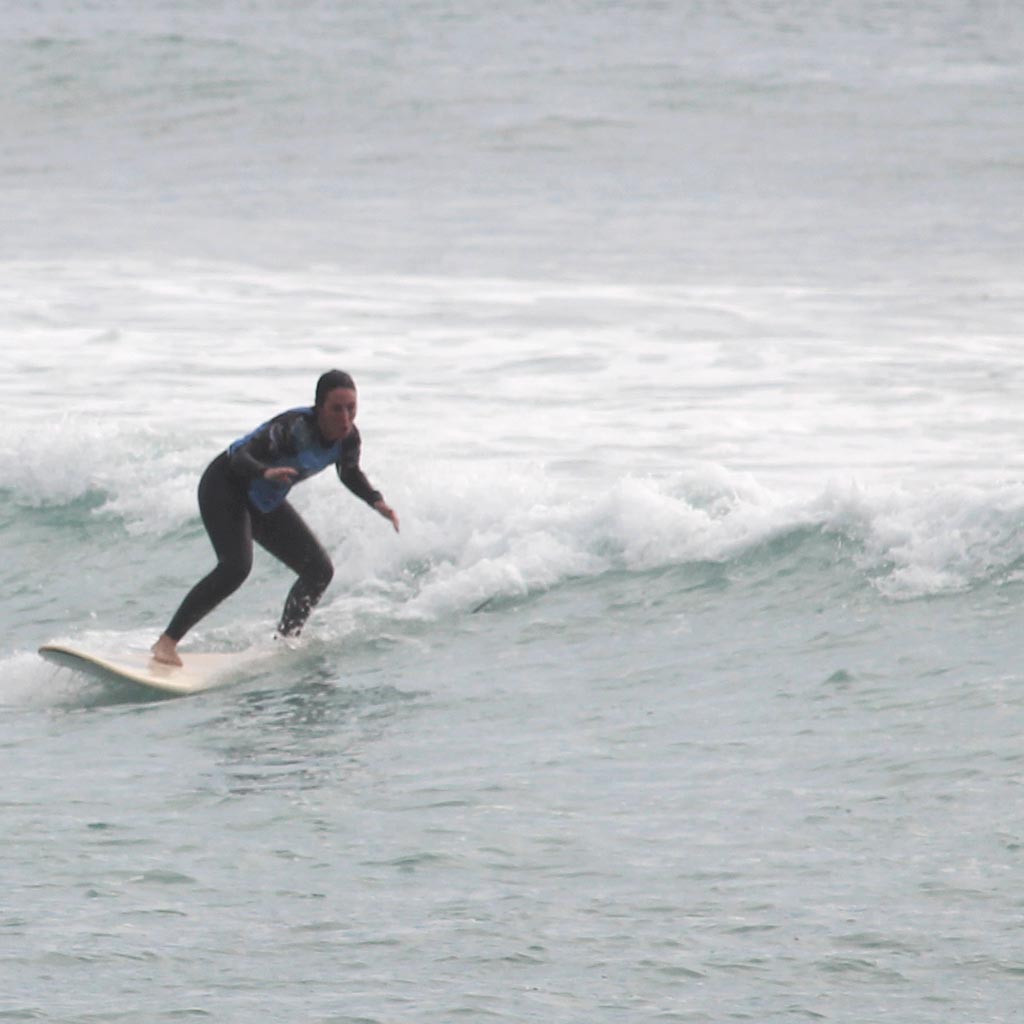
pixel 688 349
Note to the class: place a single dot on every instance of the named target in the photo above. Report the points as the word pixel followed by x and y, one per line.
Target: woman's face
pixel 337 414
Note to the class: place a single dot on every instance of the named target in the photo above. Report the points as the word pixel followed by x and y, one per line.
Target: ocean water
pixel 688 345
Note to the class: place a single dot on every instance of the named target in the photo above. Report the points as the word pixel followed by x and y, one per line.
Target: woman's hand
pixel 281 474
pixel 387 512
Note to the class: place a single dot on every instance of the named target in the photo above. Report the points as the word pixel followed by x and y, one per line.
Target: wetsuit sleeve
pixel 352 476
pixel 245 465
pixel 253 458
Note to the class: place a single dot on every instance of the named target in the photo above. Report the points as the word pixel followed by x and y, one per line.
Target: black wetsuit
pixel 239 506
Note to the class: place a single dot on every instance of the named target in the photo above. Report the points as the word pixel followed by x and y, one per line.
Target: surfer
pixel 243 498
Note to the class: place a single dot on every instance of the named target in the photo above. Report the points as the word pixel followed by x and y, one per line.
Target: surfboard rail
pixel 199 670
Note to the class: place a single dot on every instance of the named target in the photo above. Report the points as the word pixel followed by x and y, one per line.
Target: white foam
pixel 27 680
pixel 933 540
pixel 530 432
pixel 494 538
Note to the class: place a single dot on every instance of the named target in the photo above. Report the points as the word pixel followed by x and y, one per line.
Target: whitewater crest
pixel 901 542
pixel 493 531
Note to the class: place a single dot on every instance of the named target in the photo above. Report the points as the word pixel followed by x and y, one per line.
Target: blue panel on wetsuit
pixel 293 441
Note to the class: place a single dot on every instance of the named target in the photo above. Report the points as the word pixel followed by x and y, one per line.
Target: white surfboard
pixel 198 672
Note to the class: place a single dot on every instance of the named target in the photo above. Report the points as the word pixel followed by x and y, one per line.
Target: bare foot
pixel 165 651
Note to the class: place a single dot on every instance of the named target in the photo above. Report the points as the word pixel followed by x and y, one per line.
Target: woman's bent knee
pixel 318 573
pixel 231 575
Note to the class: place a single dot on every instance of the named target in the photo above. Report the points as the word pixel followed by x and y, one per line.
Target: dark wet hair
pixel 329 381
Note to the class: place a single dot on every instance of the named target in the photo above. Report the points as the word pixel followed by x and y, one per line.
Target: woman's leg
pixel 226 516
pixel 286 536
